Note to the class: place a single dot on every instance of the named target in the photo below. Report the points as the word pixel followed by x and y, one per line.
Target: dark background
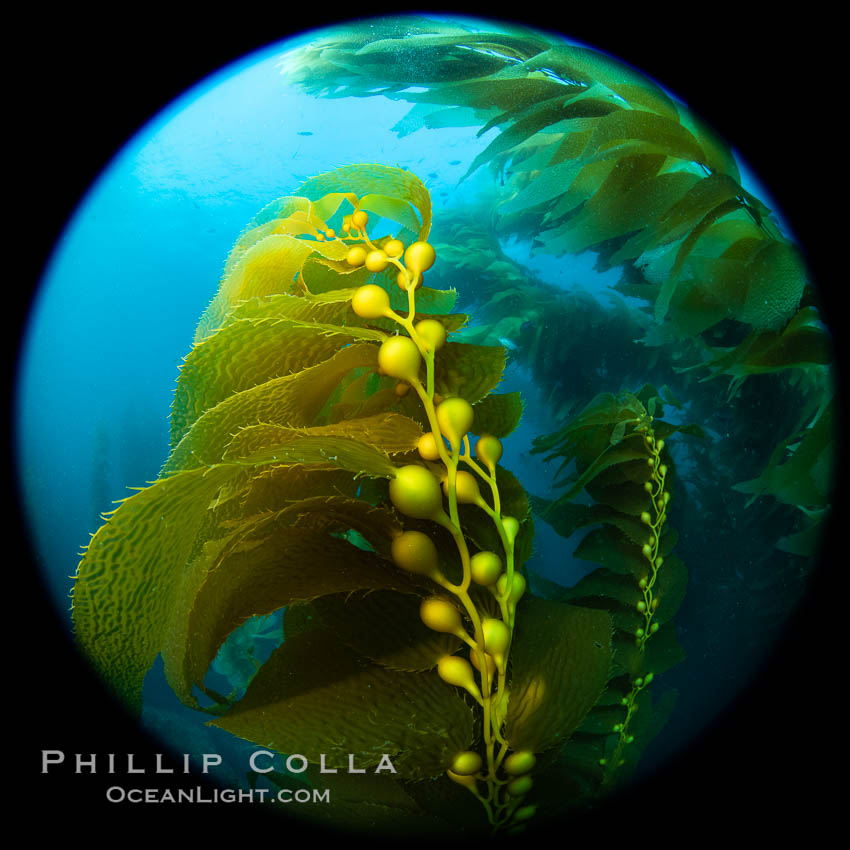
pixel 84 85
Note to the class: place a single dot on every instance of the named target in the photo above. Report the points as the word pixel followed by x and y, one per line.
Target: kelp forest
pixel 337 486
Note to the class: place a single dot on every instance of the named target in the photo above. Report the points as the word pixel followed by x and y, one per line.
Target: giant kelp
pixel 321 464
pixel 592 155
pixel 617 453
pixel 561 337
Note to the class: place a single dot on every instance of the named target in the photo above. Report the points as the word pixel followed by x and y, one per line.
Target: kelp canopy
pixel 592 155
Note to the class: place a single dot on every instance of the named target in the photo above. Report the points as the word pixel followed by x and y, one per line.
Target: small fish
pixel 508 343
pixel 305 133
pixel 433 175
pixel 455 162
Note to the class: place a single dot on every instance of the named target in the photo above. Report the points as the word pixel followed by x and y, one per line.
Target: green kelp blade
pixel 808 541
pixel 316 696
pixel 772 351
pixel 613 549
pixel 603 588
pixel 629 449
pixel 254 574
pixel 670 587
pixel 541 115
pixel 426 115
pixel 628 497
pixel 248 352
pixel 373 804
pixel 806 476
pixel 662 652
pixel 431 301
pixel 561 658
pixel 118 620
pixel 603 409
pixel 498 414
pixel 504 91
pixel 630 177
pixel 566 517
pixel 292 400
pixel 646 724
pixel 619 594
pixel 586 65
pixel 469 371
pixel 384 626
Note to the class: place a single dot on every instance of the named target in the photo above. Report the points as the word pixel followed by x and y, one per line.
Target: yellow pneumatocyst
pixel 432 332
pixel 415 552
pixel 466 763
pixel 517 590
pixel 419 257
pixel 415 492
pixel 466 487
pixel 356 256
pixel 370 302
pixel 486 568
pixel 489 450
pixel 519 786
pixel 394 248
pixel 497 636
pixel 511 526
pixel 457 671
pixel 428 448
pixel 399 357
pixel 520 762
pixel 440 615
pixel 360 219
pixel 376 261
pixel 476 663
pixel 455 417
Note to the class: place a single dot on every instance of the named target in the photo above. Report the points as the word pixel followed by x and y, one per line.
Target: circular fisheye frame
pixel 445 415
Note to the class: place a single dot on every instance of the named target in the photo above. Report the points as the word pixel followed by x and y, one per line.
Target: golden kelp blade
pixel 292 400
pixel 561 666
pixel 122 595
pixel 316 696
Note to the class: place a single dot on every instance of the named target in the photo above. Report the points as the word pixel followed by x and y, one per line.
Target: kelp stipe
pixel 619 446
pixel 321 463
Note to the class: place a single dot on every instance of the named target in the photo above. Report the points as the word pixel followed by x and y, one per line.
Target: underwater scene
pixel 475 444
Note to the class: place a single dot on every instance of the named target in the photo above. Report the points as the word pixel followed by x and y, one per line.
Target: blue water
pixel 141 259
